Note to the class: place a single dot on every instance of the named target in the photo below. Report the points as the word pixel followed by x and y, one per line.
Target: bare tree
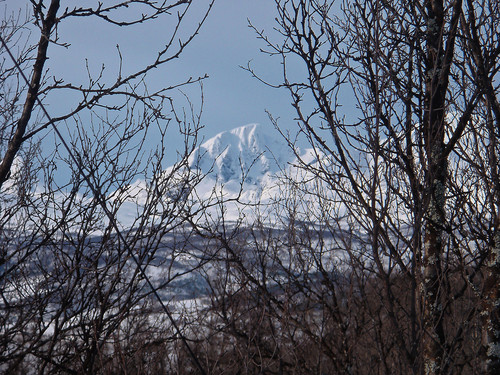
pixel 399 102
pixel 72 290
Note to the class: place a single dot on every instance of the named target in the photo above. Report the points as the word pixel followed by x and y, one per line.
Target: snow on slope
pixel 249 153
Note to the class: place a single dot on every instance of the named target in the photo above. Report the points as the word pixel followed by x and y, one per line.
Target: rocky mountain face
pixel 245 162
pixel 251 153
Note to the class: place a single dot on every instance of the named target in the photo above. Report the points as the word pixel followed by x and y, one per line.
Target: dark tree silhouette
pixel 72 300
pixel 399 101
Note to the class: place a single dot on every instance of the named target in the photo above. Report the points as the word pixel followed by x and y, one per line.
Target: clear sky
pixel 231 96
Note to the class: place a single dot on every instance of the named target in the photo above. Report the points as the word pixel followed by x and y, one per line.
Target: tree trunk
pixel 490 314
pixel 490 309
pixel 434 116
pixel 18 136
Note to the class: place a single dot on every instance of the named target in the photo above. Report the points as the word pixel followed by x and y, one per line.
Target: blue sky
pixel 231 96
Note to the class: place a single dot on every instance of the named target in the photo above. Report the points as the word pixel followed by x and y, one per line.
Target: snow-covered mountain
pixel 250 147
pixel 249 153
pixel 245 162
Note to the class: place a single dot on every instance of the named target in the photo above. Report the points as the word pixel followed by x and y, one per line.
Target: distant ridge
pixel 249 148
pixel 254 155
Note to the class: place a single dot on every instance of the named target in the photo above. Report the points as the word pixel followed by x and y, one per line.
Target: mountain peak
pixel 243 150
pixel 251 154
pixel 244 137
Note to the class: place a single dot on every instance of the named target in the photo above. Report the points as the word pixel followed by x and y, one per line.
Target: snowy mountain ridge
pixel 249 150
pixel 249 154
pixel 245 162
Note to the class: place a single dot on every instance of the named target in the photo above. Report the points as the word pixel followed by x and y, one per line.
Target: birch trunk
pixel 434 116
pixel 490 314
